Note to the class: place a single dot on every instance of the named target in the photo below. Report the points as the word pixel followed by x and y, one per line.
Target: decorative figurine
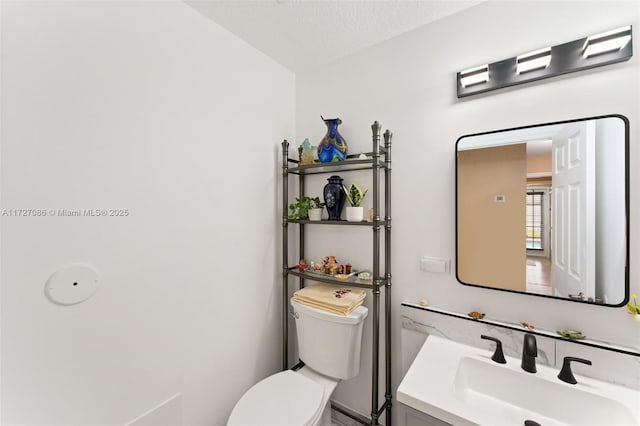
pixel 305 152
pixel 527 325
pixel 332 265
pixel 370 215
pixel 302 265
pixel 333 147
pixel 476 315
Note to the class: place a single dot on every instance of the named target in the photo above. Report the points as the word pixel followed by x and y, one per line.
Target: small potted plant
pixel 634 309
pixel 317 207
pixel 355 195
pixel 306 208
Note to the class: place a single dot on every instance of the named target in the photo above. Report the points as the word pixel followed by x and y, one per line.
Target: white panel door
pixel 574 231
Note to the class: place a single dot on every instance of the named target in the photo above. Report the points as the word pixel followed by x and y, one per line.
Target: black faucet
pixel 498 356
pixel 529 353
pixel 566 375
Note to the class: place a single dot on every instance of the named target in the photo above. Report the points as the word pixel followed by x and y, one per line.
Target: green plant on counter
pixel 354 194
pixel 634 309
pixel 571 334
pixel 300 209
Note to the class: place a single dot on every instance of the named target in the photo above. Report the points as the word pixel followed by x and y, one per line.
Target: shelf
pixel 633 351
pixel 339 166
pixel 374 163
pixel 333 222
pixel 351 281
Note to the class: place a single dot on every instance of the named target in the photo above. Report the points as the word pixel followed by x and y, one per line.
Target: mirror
pixel 544 209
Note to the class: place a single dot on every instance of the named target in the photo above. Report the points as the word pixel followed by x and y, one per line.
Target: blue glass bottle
pixel 333 147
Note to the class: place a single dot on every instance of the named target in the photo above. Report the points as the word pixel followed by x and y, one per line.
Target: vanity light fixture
pixel 589 52
pixel 474 76
pixel 535 60
pixel 609 41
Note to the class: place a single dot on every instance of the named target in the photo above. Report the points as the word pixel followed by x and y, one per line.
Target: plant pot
pixel 355 214
pixel 315 214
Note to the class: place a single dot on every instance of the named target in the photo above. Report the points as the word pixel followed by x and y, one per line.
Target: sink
pixel 546 400
pixel 460 384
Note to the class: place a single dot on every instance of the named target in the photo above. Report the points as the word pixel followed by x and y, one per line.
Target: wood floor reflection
pixel 539 275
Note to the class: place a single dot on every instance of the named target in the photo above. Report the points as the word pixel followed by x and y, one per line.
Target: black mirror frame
pixel 627 203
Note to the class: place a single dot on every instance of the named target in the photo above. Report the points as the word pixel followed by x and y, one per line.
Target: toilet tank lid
pixel 357 316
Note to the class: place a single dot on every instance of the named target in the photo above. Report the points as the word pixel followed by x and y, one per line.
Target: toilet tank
pixel 330 343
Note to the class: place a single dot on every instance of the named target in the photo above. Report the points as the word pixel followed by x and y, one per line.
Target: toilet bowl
pixel 288 398
pixel 302 397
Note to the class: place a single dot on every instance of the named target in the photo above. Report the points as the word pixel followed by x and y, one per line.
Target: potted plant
pixel 306 208
pixel 317 207
pixel 355 195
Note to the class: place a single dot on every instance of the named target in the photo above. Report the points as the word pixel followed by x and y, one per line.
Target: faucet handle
pixel 566 375
pixel 498 356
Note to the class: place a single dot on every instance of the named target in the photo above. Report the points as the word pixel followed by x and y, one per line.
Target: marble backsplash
pixel 610 365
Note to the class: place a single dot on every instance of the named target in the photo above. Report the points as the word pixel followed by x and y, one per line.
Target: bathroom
pixel 155 109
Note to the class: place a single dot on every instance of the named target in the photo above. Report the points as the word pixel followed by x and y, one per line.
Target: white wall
pixel 408 84
pixel 151 107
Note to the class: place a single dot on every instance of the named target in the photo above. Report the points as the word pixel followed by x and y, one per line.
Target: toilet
pixel 329 345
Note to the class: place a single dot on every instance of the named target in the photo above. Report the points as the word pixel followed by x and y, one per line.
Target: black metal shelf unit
pixel 378 160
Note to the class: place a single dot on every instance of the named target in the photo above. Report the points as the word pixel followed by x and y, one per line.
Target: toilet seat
pixel 286 398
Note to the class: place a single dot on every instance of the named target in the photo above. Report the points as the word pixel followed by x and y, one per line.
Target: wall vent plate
pixel 72 284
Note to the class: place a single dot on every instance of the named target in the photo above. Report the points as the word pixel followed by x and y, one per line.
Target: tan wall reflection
pixel 491 235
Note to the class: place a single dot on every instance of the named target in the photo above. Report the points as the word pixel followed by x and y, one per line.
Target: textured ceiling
pixel 303 34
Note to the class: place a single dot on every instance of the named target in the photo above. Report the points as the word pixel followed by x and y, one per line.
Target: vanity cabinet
pixel 412 417
pixel 378 163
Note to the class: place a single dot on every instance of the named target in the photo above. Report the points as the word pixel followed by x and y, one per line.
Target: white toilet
pixel 329 345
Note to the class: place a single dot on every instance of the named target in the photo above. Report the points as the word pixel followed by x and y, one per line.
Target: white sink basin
pixel 460 384
pixel 544 399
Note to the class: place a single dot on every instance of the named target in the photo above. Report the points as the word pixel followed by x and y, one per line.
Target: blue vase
pixel 333 147
pixel 334 197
